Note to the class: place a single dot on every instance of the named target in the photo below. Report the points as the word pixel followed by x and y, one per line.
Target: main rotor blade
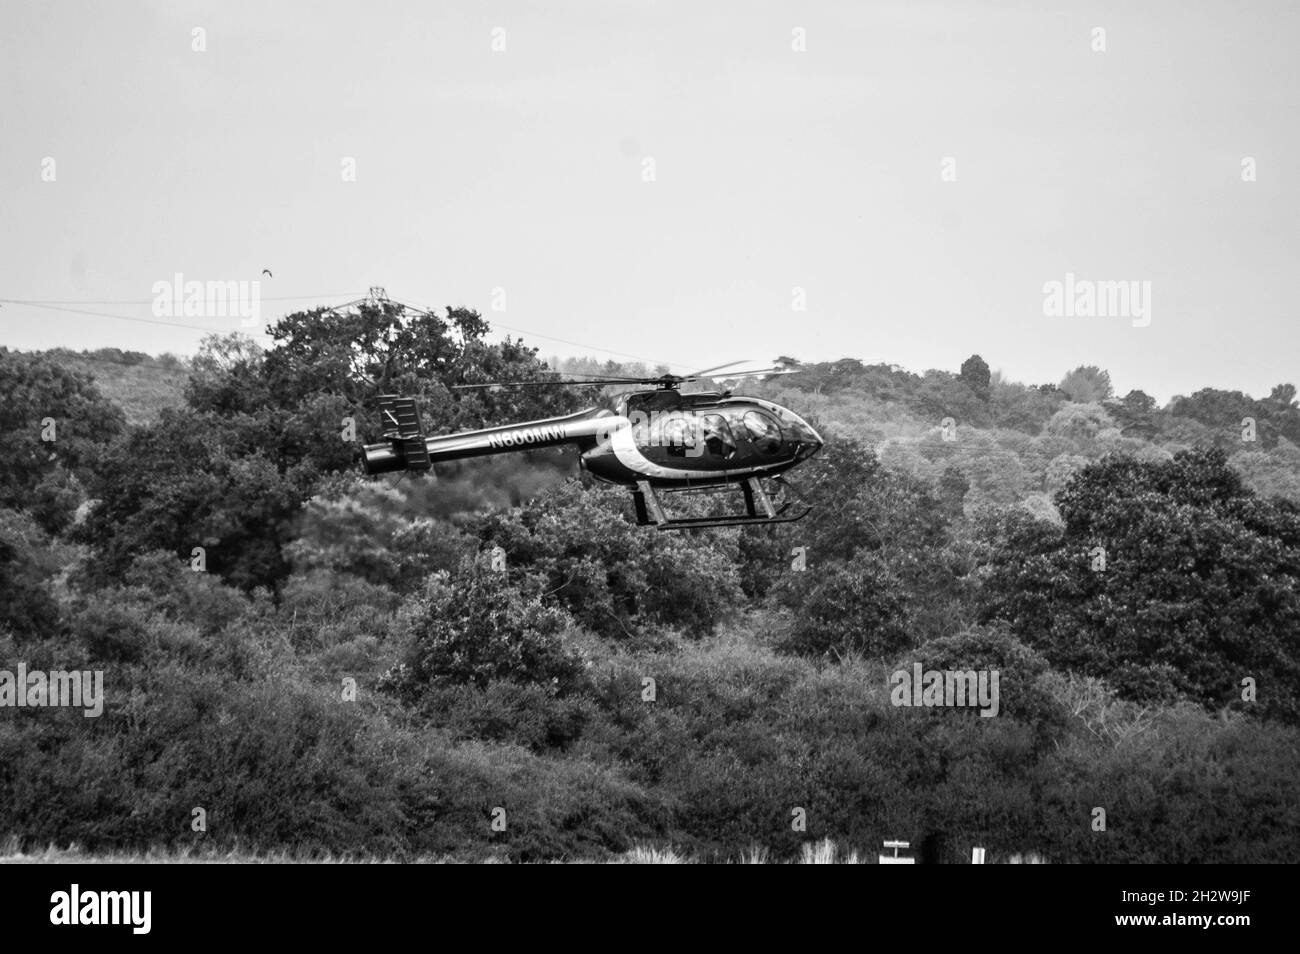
pixel 544 384
pixel 700 374
pixel 615 377
pixel 777 370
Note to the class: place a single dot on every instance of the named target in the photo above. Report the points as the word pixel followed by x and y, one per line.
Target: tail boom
pixel 584 429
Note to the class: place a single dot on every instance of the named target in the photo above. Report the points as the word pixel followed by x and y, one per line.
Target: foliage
pixel 975 372
pixel 27 562
pixel 1224 416
pixel 611 575
pixel 194 481
pixel 40 399
pixel 1080 421
pixel 370 530
pixel 475 627
pixel 872 543
pixel 1023 693
pixel 850 606
pixel 1200 586
pixel 523 686
pixel 262 431
pixel 1087 384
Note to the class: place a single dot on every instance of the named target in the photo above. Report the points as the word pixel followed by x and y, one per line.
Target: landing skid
pixel 758 506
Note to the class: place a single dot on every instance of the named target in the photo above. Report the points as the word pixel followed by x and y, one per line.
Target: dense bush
pixel 206 706
pixel 612 576
pixel 372 531
pixel 53 425
pixel 1200 587
pixel 193 481
pixel 279 766
pixel 852 606
pixel 475 626
pixel 1023 693
pixel 27 564
pixel 737 740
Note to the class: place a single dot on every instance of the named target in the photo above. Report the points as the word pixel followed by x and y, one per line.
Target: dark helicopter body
pixel 699 440
pixel 656 440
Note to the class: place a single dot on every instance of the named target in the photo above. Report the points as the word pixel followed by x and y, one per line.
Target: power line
pixel 576 344
pixel 148 301
pixel 51 305
pixel 105 314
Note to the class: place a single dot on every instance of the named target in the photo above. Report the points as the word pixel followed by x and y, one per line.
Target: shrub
pixel 27 561
pixel 1021 670
pixel 612 576
pixel 855 606
pixel 528 715
pixel 477 626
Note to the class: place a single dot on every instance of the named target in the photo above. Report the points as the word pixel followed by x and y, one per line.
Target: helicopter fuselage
pixel 674 440
pixel 662 438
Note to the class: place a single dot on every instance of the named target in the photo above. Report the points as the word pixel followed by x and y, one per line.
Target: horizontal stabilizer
pixel 416 453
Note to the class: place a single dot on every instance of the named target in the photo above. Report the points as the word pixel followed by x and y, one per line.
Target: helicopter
pixel 657 440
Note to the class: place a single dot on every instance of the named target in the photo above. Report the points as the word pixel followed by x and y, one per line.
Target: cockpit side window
pixel 676 434
pixel 764 433
pixel 717 436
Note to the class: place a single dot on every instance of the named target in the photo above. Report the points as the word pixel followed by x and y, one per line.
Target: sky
pixel 685 183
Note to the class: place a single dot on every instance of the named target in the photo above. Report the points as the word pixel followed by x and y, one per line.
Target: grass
pixel 824 852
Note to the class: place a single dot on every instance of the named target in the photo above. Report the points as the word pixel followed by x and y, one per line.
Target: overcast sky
pixel 774 169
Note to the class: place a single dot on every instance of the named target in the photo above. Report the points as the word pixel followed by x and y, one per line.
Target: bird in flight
pixel 267 273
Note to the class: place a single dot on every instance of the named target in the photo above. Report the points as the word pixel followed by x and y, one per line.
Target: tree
pixel 264 429
pixel 226 376
pixel 1168 579
pixel 1087 384
pixel 1135 414
pixel 1079 422
pixel 611 575
pixel 27 608
pixel 196 480
pixel 383 349
pixel 1223 413
pixel 858 504
pixel 1139 402
pixel 1283 394
pixel 873 528
pixel 975 372
pixel 828 376
pixel 54 424
pixel 953 487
